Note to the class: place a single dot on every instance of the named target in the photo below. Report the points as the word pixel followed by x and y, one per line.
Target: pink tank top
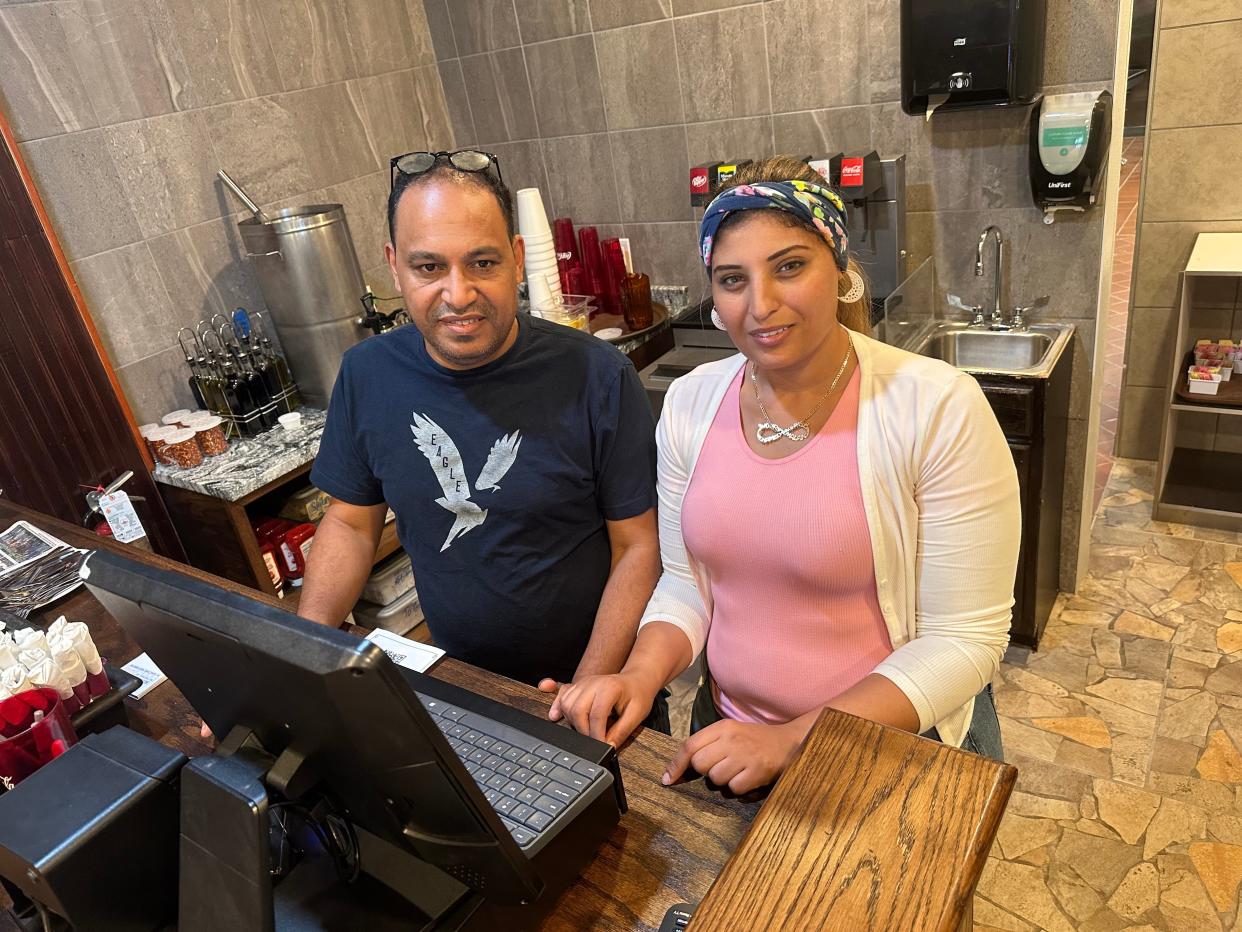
pixel 795 618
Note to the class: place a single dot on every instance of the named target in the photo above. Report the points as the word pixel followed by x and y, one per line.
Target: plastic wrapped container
pixel 175 418
pixel 310 504
pixel 399 617
pixel 209 434
pixel 182 450
pixel 157 438
pixel 390 580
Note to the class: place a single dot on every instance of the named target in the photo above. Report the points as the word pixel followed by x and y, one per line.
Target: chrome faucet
pixel 997 320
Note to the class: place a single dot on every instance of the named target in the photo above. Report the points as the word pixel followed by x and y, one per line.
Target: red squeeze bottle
pixel 272 562
pixel 294 549
pixel 271 530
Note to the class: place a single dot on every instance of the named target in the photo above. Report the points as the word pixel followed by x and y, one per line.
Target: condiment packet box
pixel 1217 354
pixel 1204 380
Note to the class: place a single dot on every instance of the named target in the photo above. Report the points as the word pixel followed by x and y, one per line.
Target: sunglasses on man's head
pixel 464 160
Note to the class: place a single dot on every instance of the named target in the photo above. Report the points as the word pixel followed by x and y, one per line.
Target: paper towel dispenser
pixel 970 53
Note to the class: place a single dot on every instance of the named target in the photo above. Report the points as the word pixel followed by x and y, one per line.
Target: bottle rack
pixel 236 373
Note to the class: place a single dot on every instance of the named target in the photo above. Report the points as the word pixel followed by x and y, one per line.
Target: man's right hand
pixel 589 705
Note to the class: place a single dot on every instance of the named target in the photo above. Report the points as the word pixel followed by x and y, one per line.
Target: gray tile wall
pixel 604 105
pixel 124 109
pixel 628 95
pixel 1193 158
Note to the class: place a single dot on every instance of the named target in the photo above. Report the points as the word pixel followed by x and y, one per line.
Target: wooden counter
pixel 871 828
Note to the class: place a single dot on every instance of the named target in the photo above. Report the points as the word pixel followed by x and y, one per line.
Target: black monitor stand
pixel 226 858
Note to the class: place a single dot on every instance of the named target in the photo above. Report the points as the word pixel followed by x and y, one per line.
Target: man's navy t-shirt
pixel 501 478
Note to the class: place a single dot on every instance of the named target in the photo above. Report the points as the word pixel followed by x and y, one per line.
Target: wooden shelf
pixel 1227 400
pixel 1204 480
pixel 1203 408
pixel 1216 254
pixel 218 537
pixel 1201 487
pixel 388 545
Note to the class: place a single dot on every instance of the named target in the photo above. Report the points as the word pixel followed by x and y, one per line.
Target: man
pixel 517 454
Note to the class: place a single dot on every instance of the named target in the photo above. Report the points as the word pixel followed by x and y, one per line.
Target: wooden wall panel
pixel 64 422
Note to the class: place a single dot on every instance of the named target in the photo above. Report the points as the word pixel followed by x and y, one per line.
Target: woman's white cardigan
pixel 941 496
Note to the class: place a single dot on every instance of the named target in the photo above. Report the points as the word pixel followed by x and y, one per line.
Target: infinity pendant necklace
pixel 768 431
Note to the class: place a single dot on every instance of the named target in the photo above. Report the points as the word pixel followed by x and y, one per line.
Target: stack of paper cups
pixel 542 277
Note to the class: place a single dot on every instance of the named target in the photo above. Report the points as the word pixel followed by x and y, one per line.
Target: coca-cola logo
pixel 851 172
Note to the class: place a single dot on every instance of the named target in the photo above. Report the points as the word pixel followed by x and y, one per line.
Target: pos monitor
pixel 322 721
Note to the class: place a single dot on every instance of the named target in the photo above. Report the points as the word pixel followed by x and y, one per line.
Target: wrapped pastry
pixel 8 655
pixel 71 665
pixel 56 627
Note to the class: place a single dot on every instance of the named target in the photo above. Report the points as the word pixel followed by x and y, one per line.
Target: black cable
pixel 348 845
pixel 335 833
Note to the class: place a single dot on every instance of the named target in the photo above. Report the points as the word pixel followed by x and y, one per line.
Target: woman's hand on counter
pixel 590 704
pixel 738 755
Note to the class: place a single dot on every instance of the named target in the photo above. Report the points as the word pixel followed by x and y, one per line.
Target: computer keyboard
pixel 528 782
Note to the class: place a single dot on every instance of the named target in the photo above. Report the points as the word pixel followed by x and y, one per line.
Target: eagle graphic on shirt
pixel 435 444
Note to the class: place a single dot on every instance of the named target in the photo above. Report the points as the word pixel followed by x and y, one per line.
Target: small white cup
pixel 291 421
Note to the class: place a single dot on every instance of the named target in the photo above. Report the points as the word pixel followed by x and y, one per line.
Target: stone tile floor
pixel 1125 727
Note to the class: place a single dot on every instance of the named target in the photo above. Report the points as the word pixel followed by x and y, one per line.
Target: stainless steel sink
pixel 1032 352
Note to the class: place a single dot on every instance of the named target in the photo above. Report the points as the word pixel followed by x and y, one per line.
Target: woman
pixel 839 519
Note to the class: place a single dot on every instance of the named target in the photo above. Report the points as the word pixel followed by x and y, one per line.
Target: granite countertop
pixel 250 463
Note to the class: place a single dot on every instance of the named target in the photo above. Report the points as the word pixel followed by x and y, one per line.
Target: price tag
pixel 119 511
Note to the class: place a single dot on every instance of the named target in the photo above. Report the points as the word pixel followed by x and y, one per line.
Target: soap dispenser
pixel 1069 150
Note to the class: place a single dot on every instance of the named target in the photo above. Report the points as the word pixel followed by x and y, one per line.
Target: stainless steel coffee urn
pixel 310 278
